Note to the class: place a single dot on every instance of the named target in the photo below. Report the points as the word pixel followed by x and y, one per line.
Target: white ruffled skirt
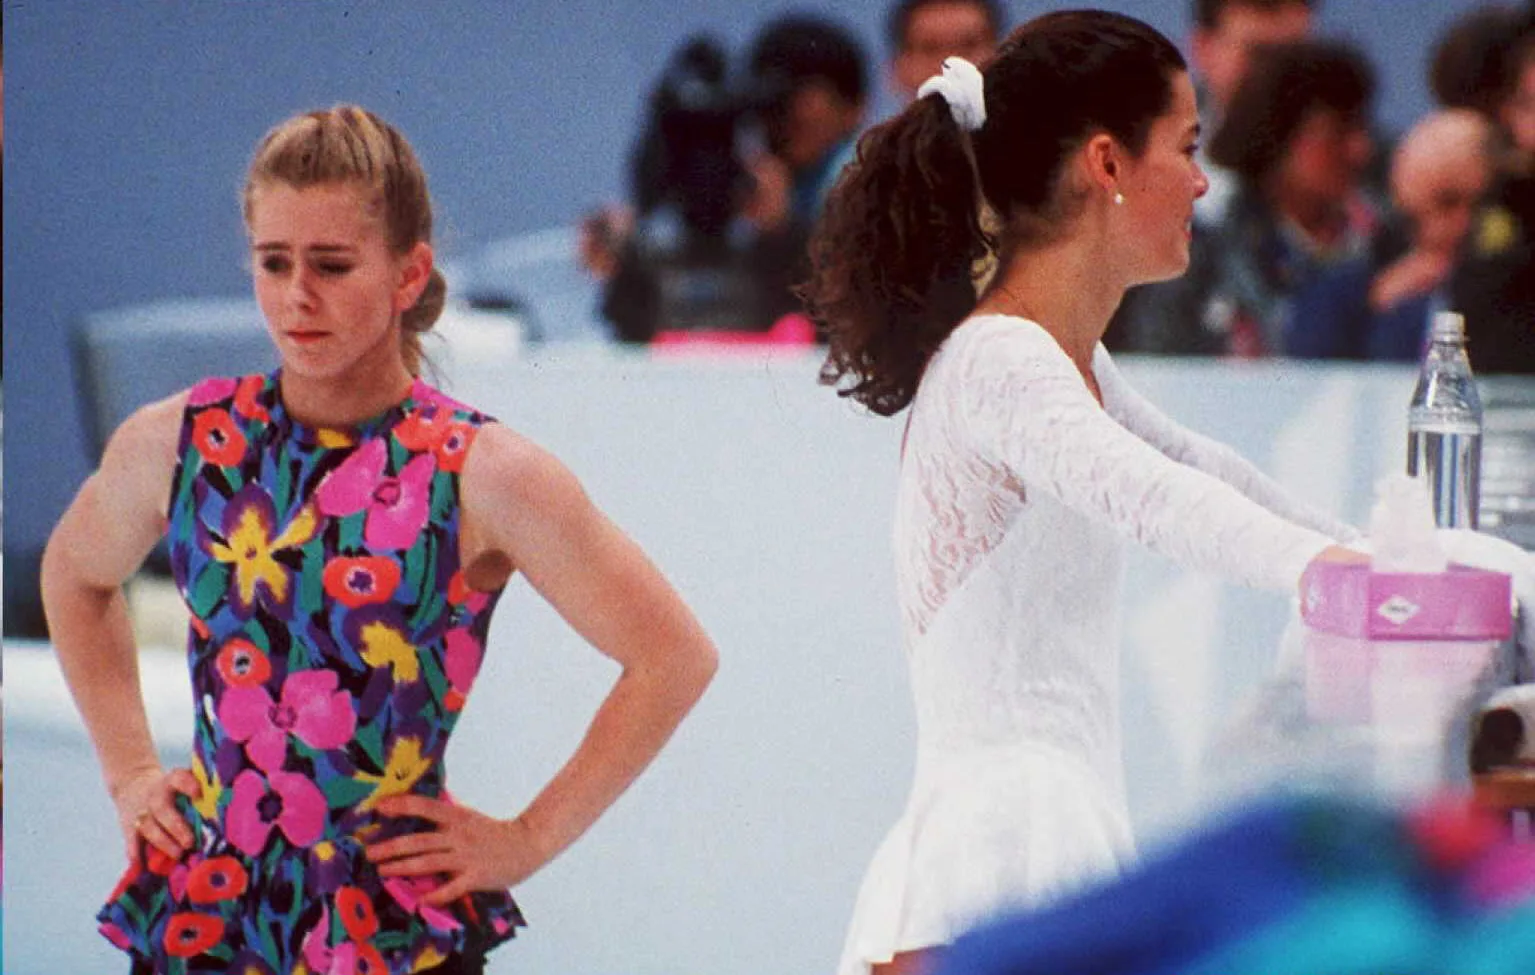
pixel 986 829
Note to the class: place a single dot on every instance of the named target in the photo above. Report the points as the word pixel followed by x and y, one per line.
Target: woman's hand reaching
pixel 1342 554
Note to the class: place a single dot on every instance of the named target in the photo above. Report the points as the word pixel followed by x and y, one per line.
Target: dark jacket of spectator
pixel 1494 287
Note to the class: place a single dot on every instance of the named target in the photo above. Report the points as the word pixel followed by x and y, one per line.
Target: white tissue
pixel 1403 536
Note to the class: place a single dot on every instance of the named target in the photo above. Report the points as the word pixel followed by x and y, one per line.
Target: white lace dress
pixel 1016 494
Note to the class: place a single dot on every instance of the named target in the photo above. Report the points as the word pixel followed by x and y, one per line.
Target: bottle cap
pixel 1449 326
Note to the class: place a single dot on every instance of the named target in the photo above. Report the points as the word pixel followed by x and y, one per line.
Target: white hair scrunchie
pixel 961 86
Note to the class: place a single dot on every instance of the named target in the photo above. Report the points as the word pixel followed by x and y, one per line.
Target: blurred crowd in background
pixel 1322 236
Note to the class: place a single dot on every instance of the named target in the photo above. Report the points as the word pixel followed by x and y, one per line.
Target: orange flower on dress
pixel 124 882
pixel 368 961
pixel 459 593
pixel 458 590
pixel 359 580
pixel 422 429
pixel 187 935
pixel 245 399
pixel 216 437
pixel 454 447
pixel 217 879
pixel 242 664
pixel 357 914
pixel 157 861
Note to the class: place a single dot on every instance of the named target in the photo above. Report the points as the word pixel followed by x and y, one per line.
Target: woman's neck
pixel 1064 288
pixel 364 390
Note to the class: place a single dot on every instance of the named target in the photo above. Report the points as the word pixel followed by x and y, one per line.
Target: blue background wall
pixel 130 126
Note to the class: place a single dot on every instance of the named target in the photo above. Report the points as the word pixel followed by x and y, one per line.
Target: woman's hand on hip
pixel 146 810
pixel 470 850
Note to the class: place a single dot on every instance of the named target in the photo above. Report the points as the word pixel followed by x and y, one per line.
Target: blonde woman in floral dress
pixel 341 532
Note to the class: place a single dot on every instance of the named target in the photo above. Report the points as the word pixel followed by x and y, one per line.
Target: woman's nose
pixel 301 288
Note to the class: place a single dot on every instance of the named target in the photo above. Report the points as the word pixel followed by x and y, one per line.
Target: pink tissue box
pixel 1462 603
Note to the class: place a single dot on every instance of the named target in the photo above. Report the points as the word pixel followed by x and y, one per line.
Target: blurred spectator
pixel 2 168
pixel 819 68
pixel 1379 306
pixel 1494 284
pixel 921 33
pixel 1468 67
pixel 1225 34
pixel 1516 106
pixel 728 176
pixel 1296 135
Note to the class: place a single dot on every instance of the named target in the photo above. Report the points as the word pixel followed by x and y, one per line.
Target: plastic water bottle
pixel 1444 426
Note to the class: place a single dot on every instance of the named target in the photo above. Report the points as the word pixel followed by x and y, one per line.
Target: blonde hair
pixel 348 144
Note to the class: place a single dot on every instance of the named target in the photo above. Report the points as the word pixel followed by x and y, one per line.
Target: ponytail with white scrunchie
pixel 960 84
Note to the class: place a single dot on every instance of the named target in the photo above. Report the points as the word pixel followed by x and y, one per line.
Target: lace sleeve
pixel 1023 403
pixel 1185 446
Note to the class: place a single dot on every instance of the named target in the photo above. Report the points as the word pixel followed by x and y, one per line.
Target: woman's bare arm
pixel 98 544
pixel 525 505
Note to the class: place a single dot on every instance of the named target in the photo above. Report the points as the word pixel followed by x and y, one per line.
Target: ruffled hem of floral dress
pixel 171 917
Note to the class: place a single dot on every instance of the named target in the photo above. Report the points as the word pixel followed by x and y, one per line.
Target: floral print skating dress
pixel 333 642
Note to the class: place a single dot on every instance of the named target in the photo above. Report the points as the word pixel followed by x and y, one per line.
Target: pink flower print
pixel 116 935
pixel 294 805
pixel 459 594
pixel 211 391
pixel 397 506
pixel 463 659
pixel 178 878
pixel 311 709
pixel 318 954
pixel 408 893
pixel 422 393
pixel 400 506
pixel 348 489
pixel 353 958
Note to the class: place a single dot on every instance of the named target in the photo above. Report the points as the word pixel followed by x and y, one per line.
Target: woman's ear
pixel 1101 158
pixel 415 269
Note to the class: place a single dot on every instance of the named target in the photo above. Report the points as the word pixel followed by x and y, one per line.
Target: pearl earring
pixel 1119 198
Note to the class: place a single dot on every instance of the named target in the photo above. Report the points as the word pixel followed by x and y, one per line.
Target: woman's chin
pixel 1168 270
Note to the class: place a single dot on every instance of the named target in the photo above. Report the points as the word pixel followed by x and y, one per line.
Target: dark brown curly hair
pixel 1284 86
pixel 893 253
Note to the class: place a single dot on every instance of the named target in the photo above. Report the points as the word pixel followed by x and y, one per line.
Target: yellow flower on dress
pixel 248 546
pixel 209 790
pixel 403 770
pixel 384 645
pixel 333 439
pixel 429 959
